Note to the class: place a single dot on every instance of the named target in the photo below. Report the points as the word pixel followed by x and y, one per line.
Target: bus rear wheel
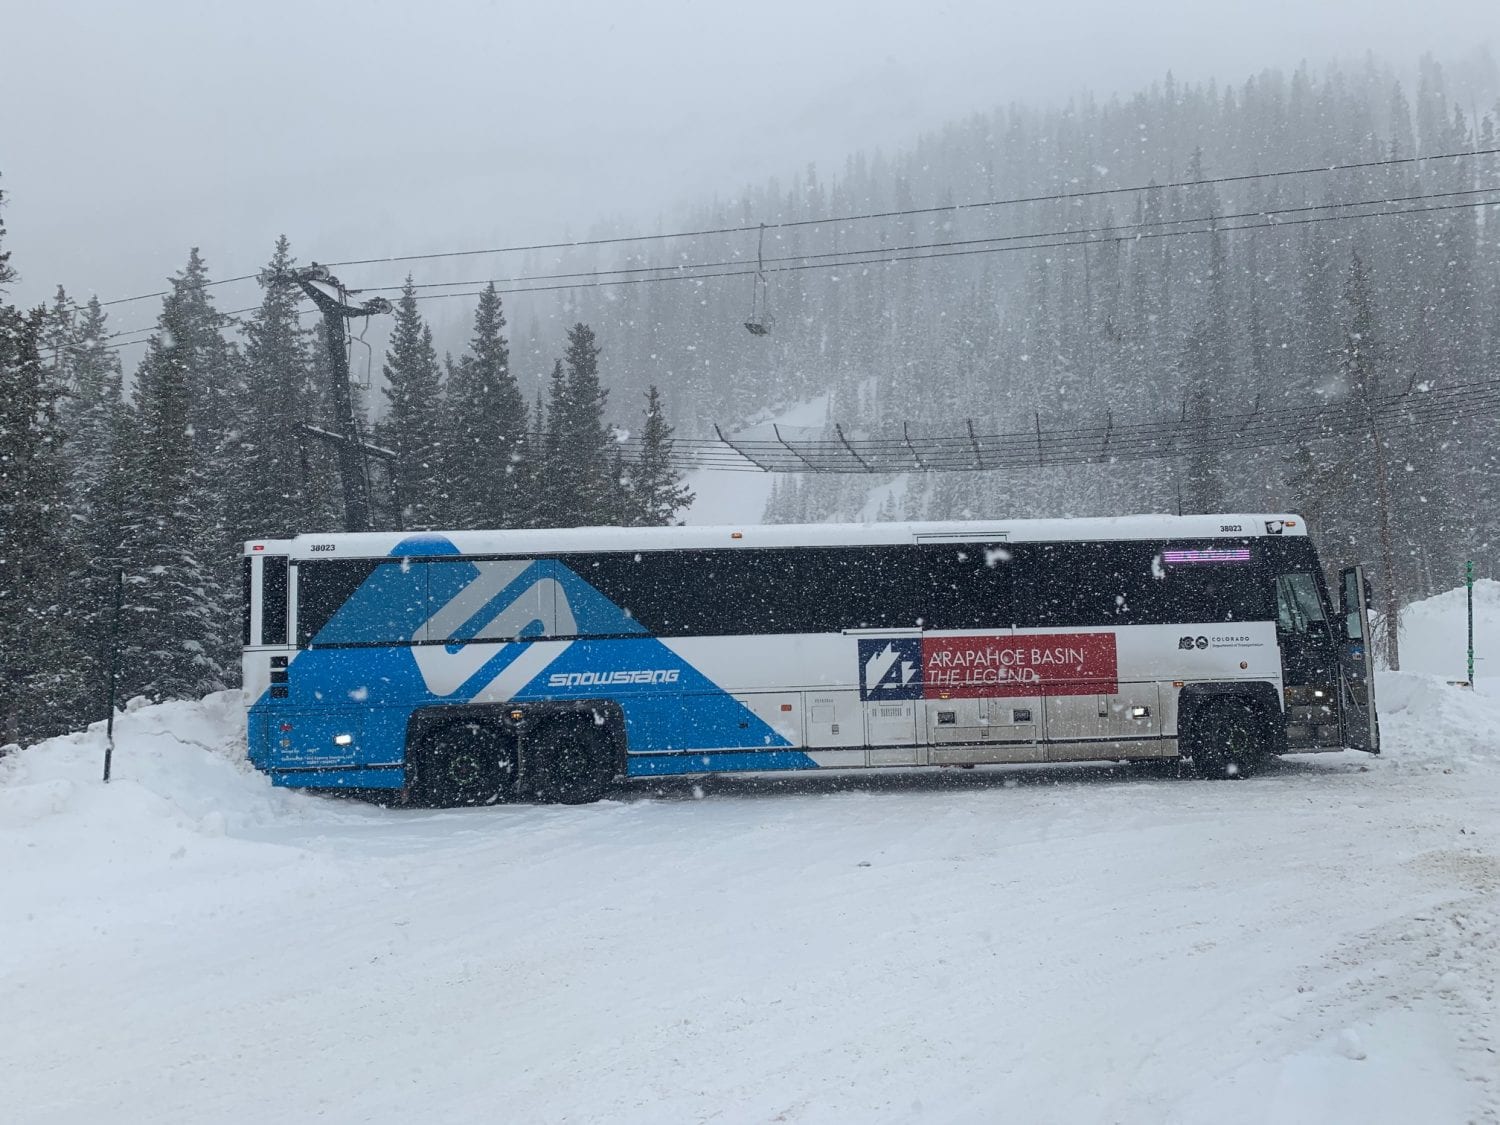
pixel 571 761
pixel 465 763
pixel 1228 743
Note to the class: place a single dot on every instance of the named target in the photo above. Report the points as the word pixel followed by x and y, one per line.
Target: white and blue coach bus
pixel 477 666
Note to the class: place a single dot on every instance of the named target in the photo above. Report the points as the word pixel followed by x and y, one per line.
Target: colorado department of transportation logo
pixel 1189 643
pixel 890 669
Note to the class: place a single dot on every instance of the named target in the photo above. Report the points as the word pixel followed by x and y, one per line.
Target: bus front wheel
pixel 1228 741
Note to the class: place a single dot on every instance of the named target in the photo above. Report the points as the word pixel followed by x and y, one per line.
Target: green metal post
pixel 1469 584
pixel 114 670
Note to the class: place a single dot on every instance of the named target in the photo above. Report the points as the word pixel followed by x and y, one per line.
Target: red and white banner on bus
pixel 1045 663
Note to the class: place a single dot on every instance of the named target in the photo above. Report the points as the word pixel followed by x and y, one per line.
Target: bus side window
pixel 273 626
pixel 247 583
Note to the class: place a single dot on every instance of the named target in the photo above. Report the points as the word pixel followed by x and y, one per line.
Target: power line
pixel 168 292
pixel 885 258
pixel 959 248
pixel 855 255
pixel 1089 193
pixel 229 315
pixel 869 215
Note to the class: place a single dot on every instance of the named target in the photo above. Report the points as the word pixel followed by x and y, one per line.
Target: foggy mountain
pixel 1152 320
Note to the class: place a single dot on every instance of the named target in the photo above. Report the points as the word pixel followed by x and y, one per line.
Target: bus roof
pixel 380 544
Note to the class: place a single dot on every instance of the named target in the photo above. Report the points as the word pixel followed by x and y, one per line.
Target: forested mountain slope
pixel 1152 320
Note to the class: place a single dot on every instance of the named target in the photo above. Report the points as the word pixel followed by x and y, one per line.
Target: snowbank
pixel 1426 721
pixel 178 768
pixel 1434 633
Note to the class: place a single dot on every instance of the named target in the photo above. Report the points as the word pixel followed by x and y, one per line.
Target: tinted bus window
pixel 273 599
pixel 361 601
pixel 491 600
pixel 1140 583
pixel 793 590
pixel 245 586
pixel 964 586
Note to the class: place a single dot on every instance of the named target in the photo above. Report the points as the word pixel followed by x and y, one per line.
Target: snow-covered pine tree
pixel 655 488
pixel 271 493
pixel 95 421
pixel 485 445
pixel 622 511
pixel 1202 478
pixel 547 498
pixel 58 329
pixel 7 274
pixel 35 687
pixel 577 490
pixel 181 597
pixel 412 426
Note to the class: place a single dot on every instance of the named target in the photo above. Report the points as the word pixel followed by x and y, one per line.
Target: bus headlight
pixel 342 739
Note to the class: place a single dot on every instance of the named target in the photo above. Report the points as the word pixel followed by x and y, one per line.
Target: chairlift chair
pixel 761 321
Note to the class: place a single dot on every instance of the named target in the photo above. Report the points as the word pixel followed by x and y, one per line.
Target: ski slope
pixel 1089 944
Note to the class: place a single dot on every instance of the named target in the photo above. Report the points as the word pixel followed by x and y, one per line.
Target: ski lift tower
pixel 352 451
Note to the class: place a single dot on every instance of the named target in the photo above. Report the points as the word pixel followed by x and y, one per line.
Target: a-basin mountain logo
pixel 890 669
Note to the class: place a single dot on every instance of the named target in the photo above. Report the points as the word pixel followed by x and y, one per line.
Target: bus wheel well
pixel 460 756
pixel 570 754
pixel 1229 730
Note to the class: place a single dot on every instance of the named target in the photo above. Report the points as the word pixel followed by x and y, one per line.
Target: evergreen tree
pixel 1202 483
pixel 548 498
pixel 485 450
pixel 182 598
pixel 622 510
pixel 412 426
pixel 577 468
pixel 654 488
pixel 95 420
pixel 34 684
pixel 59 328
pixel 7 274
pixel 272 493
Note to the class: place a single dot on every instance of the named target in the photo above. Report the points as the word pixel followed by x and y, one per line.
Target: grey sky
pixel 131 131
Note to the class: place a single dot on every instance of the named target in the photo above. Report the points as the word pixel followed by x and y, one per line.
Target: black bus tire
pixel 572 759
pixel 1229 742
pixel 464 763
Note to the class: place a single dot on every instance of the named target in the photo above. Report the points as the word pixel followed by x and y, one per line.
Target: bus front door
pixel 1361 726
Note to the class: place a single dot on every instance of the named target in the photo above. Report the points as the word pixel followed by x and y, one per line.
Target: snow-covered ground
pixel 1090 944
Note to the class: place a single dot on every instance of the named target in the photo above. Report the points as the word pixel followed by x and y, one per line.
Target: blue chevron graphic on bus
pixel 890 669
pixel 381 628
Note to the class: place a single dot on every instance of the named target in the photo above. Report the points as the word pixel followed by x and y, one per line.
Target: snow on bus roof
pixel 582 539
